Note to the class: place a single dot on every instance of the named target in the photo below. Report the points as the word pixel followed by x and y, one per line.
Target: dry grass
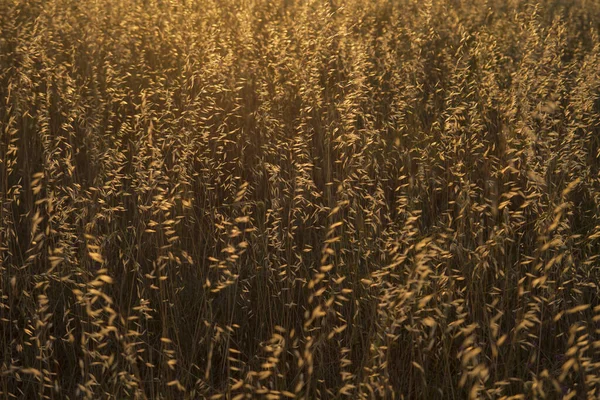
pixel 299 199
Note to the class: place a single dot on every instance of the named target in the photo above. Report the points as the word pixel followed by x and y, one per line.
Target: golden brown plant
pixel 299 199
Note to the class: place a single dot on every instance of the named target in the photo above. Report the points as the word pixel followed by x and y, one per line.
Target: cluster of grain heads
pixel 299 199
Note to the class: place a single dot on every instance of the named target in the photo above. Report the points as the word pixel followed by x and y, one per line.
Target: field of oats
pixel 311 199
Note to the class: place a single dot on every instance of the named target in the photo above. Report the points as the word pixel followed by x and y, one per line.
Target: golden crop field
pixel 303 199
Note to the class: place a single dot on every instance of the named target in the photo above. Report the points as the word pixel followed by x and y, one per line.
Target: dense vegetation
pixel 305 199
